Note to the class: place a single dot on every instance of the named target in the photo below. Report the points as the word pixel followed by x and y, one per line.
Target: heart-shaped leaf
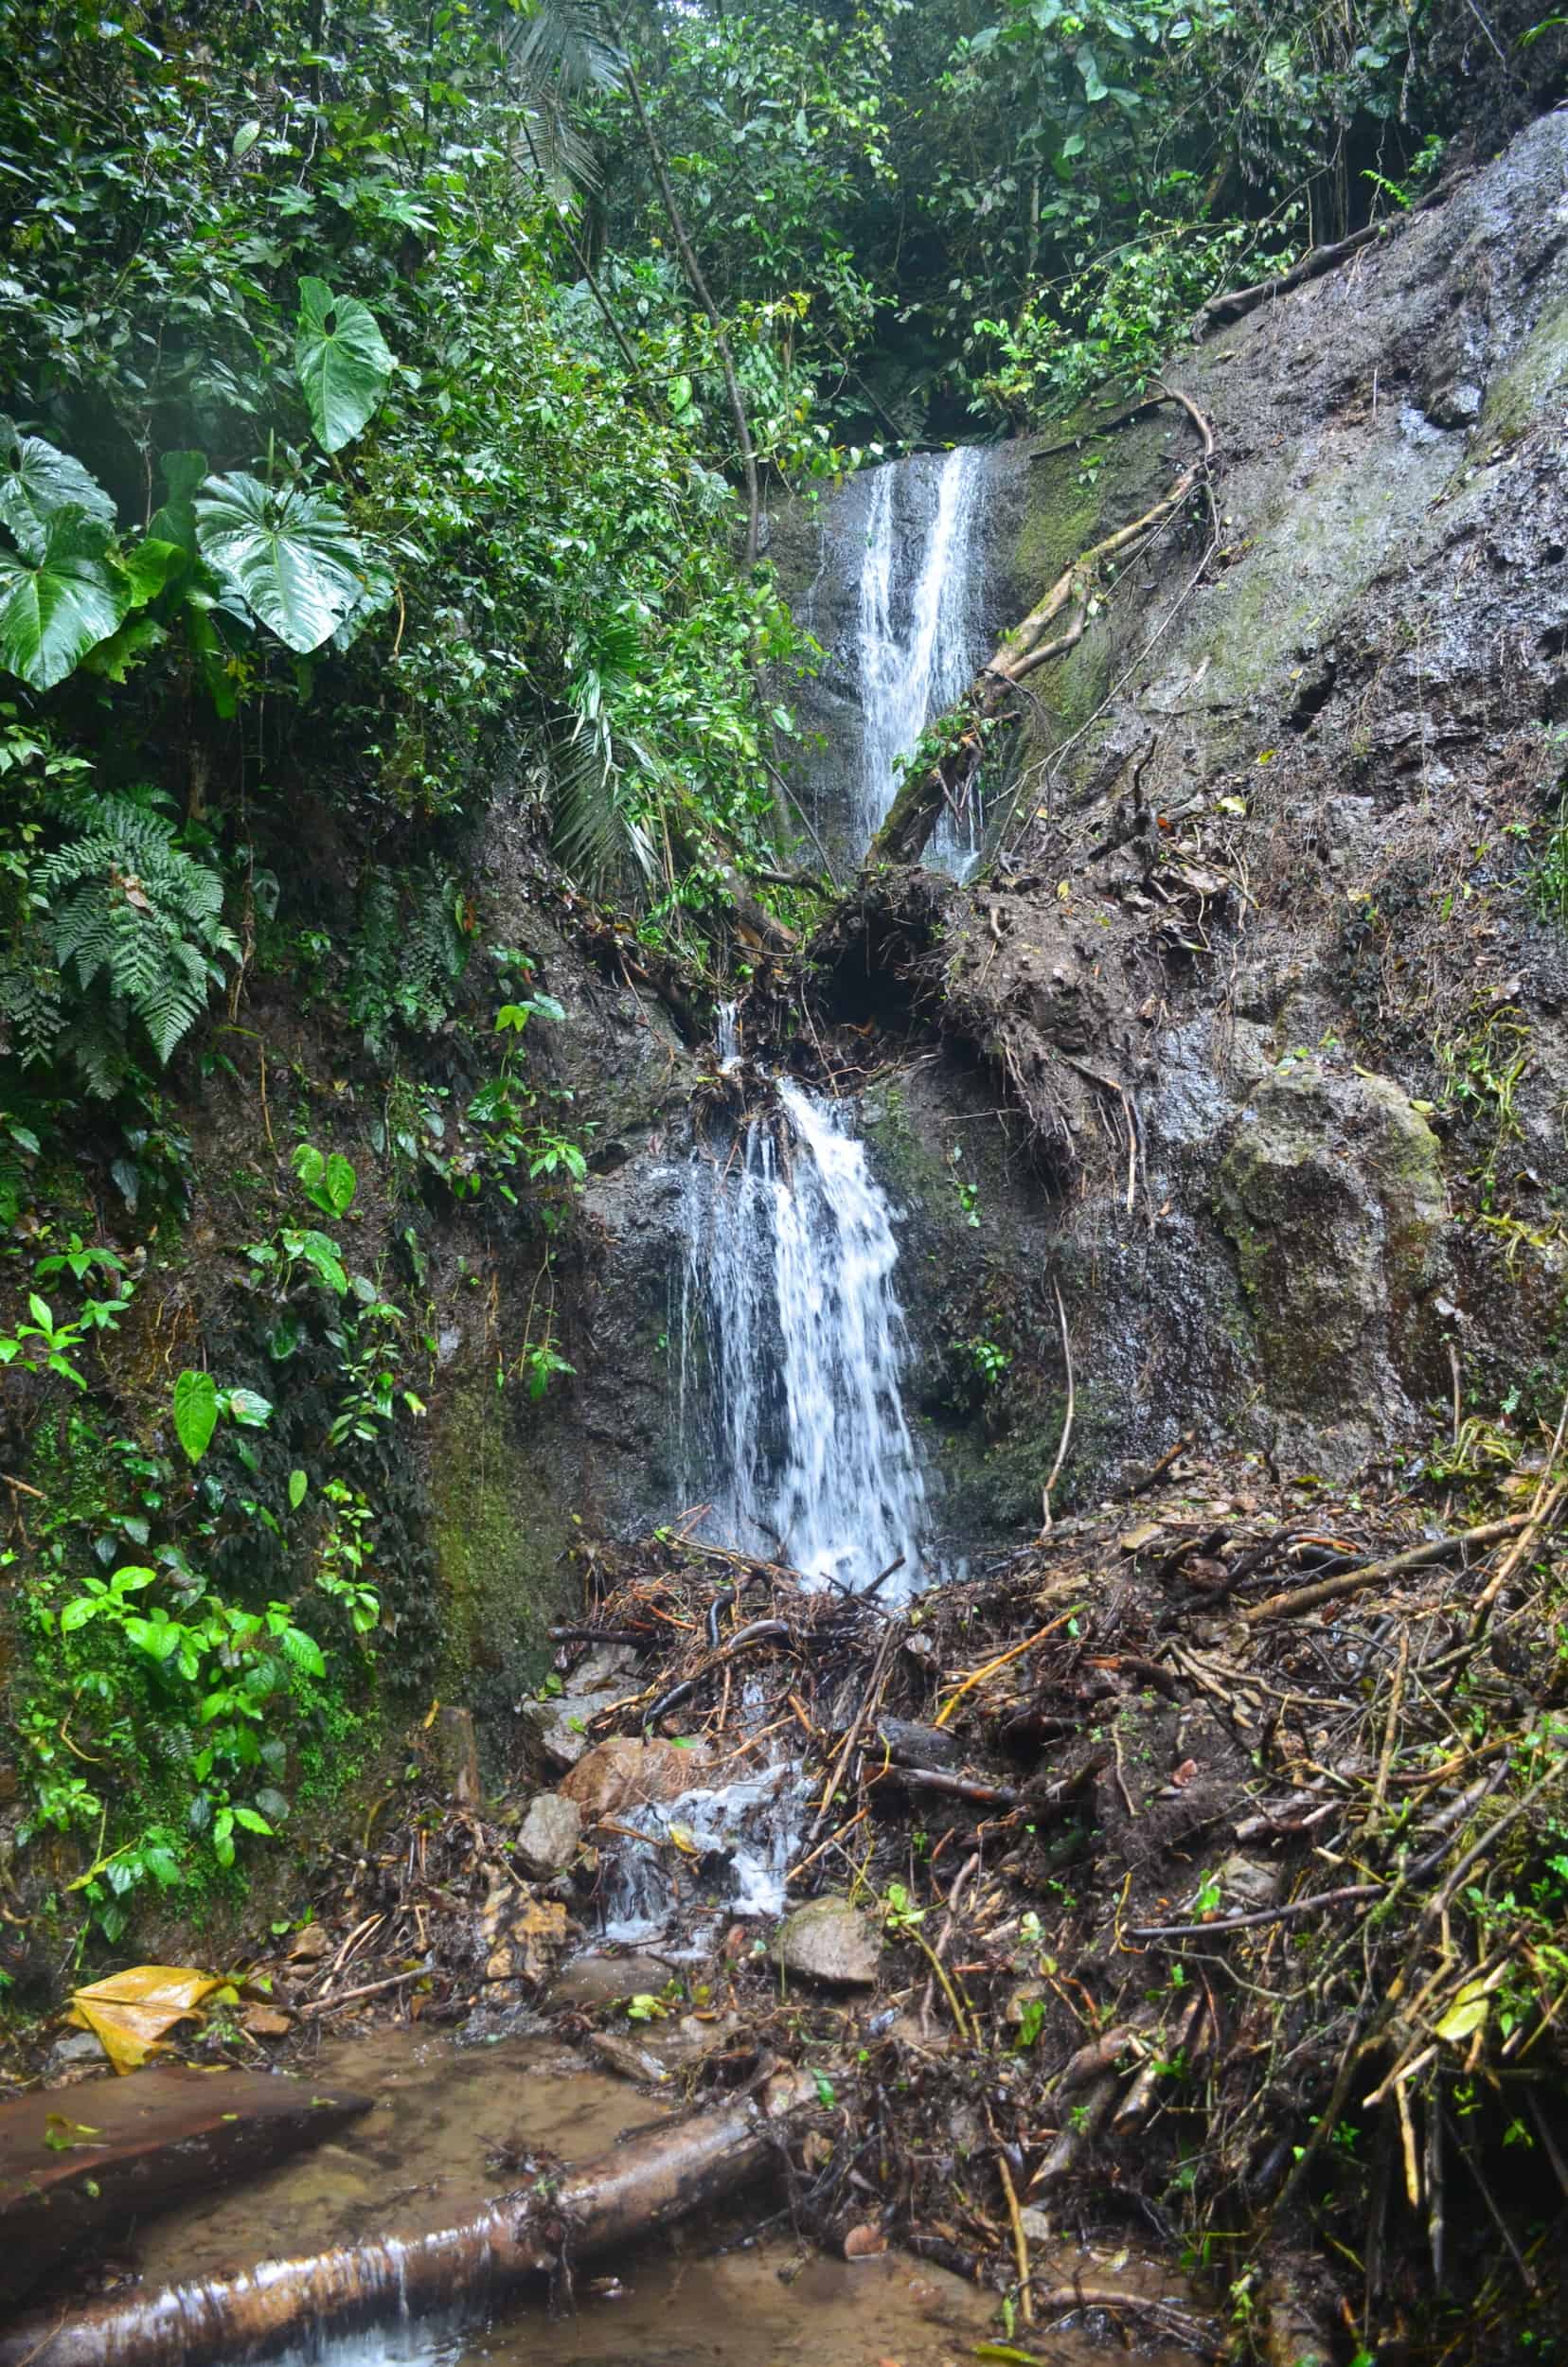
pixel 291 555
pixel 195 1412
pixel 249 1409
pixel 341 360
pixel 59 602
pixel 37 483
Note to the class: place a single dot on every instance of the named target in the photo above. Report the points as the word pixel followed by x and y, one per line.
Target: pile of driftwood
pixel 1213 1857
pixel 1228 1832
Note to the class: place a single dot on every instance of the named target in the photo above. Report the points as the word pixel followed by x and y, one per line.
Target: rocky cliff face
pixel 1266 952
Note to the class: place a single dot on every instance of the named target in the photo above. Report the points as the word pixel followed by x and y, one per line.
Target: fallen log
pixel 623 2195
pixel 1301 1598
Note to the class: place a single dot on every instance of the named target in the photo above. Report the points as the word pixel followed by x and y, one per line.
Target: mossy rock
pixel 1332 1195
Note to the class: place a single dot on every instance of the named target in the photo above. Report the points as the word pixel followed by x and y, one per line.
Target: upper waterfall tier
pixel 912 582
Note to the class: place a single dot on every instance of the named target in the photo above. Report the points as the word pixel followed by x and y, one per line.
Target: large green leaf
pixel 60 601
pixel 342 362
pixel 37 483
pixel 195 1412
pixel 291 555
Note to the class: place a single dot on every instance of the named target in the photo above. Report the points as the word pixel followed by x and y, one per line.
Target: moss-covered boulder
pixel 1332 1192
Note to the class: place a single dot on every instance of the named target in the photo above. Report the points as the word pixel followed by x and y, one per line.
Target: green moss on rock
pixel 501 1536
pixel 1332 1195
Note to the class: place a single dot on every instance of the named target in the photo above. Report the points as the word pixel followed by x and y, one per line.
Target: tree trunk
pixel 698 286
pixel 625 2194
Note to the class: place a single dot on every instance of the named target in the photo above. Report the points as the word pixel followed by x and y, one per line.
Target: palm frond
pixel 598 834
pixel 565 42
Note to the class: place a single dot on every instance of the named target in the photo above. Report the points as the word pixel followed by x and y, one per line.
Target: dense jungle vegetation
pixel 392 391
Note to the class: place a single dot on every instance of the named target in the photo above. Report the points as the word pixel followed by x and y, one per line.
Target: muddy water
pixel 452 2125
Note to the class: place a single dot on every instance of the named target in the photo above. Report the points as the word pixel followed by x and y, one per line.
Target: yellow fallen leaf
pixel 129 2012
pixel 1467 2012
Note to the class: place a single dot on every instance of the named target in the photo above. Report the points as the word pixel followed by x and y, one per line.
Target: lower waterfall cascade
pixel 790 1346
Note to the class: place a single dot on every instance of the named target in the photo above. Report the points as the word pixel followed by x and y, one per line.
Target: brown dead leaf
pixel 309 1946
pixel 129 2013
pixel 864 2242
pixel 1185 1774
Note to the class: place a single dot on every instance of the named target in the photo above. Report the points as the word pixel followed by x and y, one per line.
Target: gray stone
pixel 547 1840
pixel 600 1980
pixel 559 1728
pixel 829 1940
pixel 76 2048
pixel 1250 1883
pixel 606 1665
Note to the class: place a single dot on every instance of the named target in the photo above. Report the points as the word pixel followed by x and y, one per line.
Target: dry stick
pixel 970 1865
pixel 870 1704
pixel 1014 1652
pixel 795 1871
pixel 955 1786
pixel 1067 1420
pixel 1547 1504
pixel 1021 2242
pixel 369 1988
pixel 22 1485
pixel 1355 1581
pixel 1391 1730
pixel 1235 303
pixel 1350 1895
pixel 966 2037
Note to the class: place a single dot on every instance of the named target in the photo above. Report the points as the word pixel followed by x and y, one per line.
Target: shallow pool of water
pixel 453 2125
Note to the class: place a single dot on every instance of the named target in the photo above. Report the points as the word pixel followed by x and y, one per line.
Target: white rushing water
pixel 918 636
pixel 790 1319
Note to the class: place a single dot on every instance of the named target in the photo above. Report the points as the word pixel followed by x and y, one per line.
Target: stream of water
pixel 795 1448
pixel 792 1346
pixel 919 629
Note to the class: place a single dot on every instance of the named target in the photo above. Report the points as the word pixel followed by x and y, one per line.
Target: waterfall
pixel 918 639
pixel 790 1320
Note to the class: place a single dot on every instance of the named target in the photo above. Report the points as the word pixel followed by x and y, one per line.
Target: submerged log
pixel 625 2194
pixel 77 2163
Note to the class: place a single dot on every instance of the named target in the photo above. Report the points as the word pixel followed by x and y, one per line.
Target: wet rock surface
pixel 626 1772
pixel 830 1941
pixel 1260 965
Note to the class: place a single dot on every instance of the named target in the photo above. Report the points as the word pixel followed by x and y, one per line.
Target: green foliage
pixel 341 362
pixel 1547 882
pixel 115 936
pixel 195 1409
pixel 289 555
pixel 406 952
pixel 1115 321
pixel 327 1183
pixel 58 601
